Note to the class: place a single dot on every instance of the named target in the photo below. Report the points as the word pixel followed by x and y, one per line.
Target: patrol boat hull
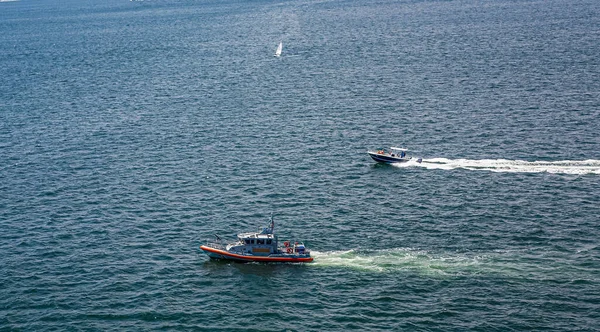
pixel 215 253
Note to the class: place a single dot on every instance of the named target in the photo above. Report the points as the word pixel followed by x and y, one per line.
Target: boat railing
pixel 215 244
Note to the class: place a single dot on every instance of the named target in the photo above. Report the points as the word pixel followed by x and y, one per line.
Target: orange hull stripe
pixel 256 258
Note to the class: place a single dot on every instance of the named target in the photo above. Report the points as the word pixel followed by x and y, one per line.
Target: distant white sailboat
pixel 279 48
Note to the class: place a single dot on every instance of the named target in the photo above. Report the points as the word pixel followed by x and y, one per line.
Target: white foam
pixel 395 259
pixel 512 263
pixel 578 167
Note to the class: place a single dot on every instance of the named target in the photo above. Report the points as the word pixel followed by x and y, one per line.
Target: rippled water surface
pixel 133 131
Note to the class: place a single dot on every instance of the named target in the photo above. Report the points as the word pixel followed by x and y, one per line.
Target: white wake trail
pixel 577 167
pixel 398 259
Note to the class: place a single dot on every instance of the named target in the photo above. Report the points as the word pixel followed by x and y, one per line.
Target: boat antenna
pixel 272 223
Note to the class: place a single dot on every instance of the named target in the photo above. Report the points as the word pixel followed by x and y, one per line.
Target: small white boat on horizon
pixel 279 49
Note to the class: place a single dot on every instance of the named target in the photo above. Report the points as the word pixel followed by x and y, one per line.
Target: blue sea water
pixel 132 131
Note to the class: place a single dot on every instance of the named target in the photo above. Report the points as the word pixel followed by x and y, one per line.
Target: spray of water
pixel 517 264
pixel 397 259
pixel 509 166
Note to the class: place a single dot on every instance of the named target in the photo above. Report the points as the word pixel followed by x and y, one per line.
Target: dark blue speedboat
pixel 392 156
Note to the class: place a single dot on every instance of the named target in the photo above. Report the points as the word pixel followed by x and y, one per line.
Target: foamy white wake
pixel 448 264
pixel 397 259
pixel 510 166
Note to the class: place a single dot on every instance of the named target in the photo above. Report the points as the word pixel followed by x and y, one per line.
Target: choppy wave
pixel 510 166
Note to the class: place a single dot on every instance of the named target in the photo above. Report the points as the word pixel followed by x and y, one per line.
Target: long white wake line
pixel 512 263
pixel 577 167
pixel 396 259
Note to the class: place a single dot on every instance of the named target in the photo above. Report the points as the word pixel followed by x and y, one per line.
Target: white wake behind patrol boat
pixel 260 246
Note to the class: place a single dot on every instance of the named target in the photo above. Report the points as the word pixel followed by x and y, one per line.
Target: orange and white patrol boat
pixel 260 246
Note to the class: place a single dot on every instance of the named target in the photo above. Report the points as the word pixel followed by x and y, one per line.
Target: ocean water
pixel 133 131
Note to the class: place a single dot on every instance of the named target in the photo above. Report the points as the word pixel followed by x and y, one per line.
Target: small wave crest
pixel 577 167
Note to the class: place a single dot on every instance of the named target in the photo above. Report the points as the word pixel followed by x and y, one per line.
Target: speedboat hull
pixel 215 253
pixel 387 159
